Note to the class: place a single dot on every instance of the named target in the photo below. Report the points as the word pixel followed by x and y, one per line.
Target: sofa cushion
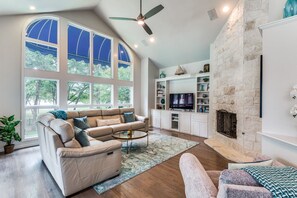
pixel 232 166
pixel 63 129
pixel 90 113
pixel 82 137
pixel 99 131
pixel 237 177
pixel 72 114
pixel 137 125
pixel 111 117
pixel 120 127
pixel 81 123
pixel 72 144
pixel 60 114
pixel 108 122
pixel 92 121
pixel 110 112
pixel 125 110
pixel 129 117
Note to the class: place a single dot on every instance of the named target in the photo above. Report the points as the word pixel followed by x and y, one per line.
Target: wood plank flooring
pixel 23 174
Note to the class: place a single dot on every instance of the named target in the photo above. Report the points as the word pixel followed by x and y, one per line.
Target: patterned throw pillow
pixel 82 137
pixel 129 117
pixel 81 123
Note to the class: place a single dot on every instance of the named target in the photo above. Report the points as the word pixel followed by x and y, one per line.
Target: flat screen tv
pixel 182 101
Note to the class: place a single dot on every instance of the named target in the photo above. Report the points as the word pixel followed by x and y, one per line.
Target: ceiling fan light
pixel 140 22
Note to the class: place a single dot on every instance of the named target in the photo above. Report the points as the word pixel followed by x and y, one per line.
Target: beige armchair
pixel 74 167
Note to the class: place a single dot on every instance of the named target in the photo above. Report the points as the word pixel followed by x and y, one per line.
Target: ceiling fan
pixel 141 18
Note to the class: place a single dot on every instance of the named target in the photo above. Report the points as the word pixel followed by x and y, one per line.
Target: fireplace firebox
pixel 226 123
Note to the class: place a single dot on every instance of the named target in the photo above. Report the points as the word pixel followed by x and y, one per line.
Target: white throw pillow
pixel 232 166
pixel 108 122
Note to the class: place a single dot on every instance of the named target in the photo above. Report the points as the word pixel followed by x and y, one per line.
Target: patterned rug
pixel 142 158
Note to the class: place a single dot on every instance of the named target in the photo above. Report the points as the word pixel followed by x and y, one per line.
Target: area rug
pixel 142 158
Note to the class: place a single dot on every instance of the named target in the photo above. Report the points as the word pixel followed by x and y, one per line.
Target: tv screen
pixel 182 101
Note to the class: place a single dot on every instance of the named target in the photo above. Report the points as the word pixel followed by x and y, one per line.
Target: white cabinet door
pixel 156 118
pixel 199 124
pixel 203 129
pixel 165 120
pixel 185 122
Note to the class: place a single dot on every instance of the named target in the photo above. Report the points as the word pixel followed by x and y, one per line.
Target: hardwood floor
pixel 23 174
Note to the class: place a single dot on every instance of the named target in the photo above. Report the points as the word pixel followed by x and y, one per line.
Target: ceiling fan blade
pixel 147 29
pixel 153 11
pixel 122 18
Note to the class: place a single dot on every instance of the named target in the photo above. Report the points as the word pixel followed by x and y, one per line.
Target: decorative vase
pixel 162 75
pixel 290 8
pixel 8 148
pixel 162 101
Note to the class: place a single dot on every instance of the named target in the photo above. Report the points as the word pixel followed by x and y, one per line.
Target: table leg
pixel 127 147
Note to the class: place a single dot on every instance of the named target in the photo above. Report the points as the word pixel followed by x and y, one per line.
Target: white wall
pixel 11 57
pixel 276 8
pixel 279 53
pixel 149 72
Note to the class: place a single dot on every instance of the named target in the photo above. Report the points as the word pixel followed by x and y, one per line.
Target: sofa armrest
pixel 233 191
pixel 105 147
pixel 141 118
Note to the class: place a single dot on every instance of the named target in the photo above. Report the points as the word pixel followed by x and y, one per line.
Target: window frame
pixel 126 63
pixel 33 73
pixel 62 76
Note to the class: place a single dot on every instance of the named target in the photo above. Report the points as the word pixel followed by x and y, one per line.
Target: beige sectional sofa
pixel 73 167
pixel 104 133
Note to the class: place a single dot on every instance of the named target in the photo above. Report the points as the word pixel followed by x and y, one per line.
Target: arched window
pixel 124 64
pixel 125 73
pixel 67 66
pixel 41 56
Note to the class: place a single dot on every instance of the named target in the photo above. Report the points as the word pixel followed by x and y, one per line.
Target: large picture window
pixel 80 77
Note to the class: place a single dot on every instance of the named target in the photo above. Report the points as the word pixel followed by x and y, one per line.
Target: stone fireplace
pixel 235 80
pixel 226 124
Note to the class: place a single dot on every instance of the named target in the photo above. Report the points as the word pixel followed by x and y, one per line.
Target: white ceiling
pixel 182 30
pixel 9 7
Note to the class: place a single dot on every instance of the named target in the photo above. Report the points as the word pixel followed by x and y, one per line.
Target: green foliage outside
pixel 44 92
pixel 7 130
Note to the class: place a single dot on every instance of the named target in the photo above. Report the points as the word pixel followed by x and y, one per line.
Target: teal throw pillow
pixel 81 123
pixel 82 137
pixel 60 114
pixel 129 117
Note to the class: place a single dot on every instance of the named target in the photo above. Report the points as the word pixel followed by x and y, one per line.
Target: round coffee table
pixel 129 136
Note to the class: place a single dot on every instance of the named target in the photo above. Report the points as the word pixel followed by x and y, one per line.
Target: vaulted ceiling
pixel 183 30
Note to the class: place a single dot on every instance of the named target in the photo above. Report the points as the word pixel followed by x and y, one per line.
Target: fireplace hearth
pixel 226 123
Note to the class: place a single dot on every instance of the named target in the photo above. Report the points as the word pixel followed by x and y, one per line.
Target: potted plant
pixel 8 132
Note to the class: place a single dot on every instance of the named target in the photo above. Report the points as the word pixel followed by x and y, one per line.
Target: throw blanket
pixel 280 181
pixel 59 114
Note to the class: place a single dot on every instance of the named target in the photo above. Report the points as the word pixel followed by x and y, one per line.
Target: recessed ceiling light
pixel 135 45
pixel 32 8
pixel 152 39
pixel 226 9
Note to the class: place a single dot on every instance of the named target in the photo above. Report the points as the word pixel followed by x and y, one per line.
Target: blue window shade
pixel 45 50
pixel 102 50
pixel 123 54
pixel 44 30
pixel 78 44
